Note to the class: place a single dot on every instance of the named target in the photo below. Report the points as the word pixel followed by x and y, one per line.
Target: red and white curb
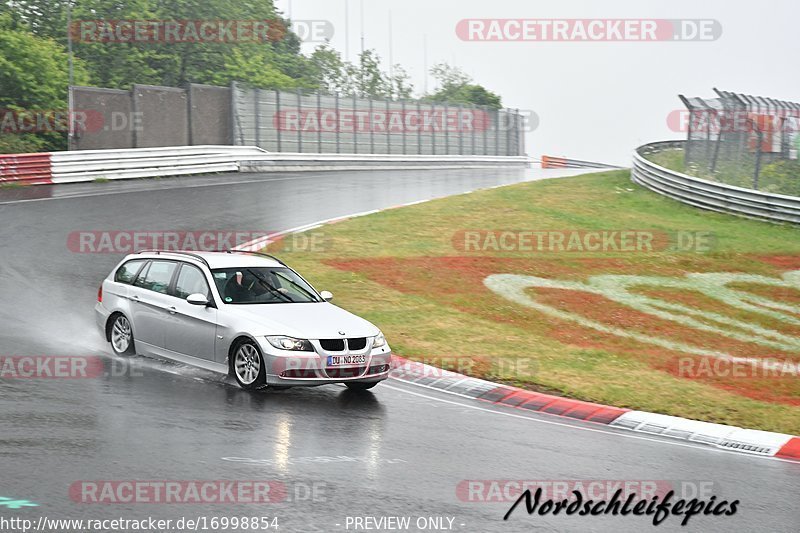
pixel 732 438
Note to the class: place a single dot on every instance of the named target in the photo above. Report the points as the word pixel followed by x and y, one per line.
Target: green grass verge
pixel 399 269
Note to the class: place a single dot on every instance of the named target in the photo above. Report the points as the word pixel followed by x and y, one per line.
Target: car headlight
pixel 380 341
pixel 290 343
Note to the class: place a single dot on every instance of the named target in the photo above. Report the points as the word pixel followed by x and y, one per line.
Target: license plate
pixel 341 360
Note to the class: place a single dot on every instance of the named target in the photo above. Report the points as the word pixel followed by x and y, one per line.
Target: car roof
pixel 215 260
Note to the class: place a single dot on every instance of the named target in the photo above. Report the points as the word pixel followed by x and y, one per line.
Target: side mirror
pixel 326 295
pixel 197 299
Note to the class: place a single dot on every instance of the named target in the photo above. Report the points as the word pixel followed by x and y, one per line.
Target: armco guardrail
pixel 709 194
pixel 549 161
pixel 299 162
pixel 89 165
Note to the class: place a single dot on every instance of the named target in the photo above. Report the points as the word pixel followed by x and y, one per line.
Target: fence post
pixel 388 137
pixel 486 131
pixel 189 113
pixel 135 111
pixel 433 130
pixel 507 126
pixel 446 129
pixel 300 120
pixel 355 125
pixel 460 122
pixel 338 126
pixel 371 129
pixel 257 113
pixel 319 122
pixel 419 129
pixel 473 132
pixel 759 140
pixel 497 132
pixel 278 113
pixel 405 129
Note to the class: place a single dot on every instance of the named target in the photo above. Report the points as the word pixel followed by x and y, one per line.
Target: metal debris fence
pixel 734 137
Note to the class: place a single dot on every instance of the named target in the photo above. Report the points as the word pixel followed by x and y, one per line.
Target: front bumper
pixel 308 369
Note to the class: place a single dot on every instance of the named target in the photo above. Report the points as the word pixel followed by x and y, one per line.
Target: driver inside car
pixel 239 288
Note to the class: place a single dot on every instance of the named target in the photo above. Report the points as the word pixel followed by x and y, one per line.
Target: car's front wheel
pixel 361 386
pixel 121 336
pixel 248 366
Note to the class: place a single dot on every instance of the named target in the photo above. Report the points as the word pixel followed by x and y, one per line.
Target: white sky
pixel 595 100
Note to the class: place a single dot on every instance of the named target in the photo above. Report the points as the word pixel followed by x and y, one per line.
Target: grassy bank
pixel 420 273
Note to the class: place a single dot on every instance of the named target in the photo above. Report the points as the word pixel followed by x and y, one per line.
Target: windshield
pixel 263 285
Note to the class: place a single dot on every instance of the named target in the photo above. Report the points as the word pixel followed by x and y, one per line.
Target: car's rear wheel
pixel 361 386
pixel 248 366
pixel 121 336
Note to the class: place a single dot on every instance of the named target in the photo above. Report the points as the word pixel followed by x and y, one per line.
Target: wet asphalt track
pixel 400 451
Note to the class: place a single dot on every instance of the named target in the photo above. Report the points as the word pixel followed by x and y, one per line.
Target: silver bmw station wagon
pixel 241 313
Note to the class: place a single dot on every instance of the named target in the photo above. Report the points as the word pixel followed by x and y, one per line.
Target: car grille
pixel 357 344
pixel 345 372
pixel 332 345
pixel 337 345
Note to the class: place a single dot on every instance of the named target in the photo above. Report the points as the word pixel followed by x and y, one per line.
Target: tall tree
pixel 455 86
pixel 33 82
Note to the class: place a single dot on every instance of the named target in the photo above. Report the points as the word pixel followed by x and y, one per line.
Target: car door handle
pixel 135 298
pixel 173 311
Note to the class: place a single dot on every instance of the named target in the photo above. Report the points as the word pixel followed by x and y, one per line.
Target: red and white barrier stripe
pixel 730 438
pixel 26 168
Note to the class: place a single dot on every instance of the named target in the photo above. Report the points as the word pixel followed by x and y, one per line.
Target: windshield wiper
pixel 269 287
pixel 306 291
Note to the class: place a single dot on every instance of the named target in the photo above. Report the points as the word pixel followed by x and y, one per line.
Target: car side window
pixel 158 276
pixel 128 271
pixel 191 280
